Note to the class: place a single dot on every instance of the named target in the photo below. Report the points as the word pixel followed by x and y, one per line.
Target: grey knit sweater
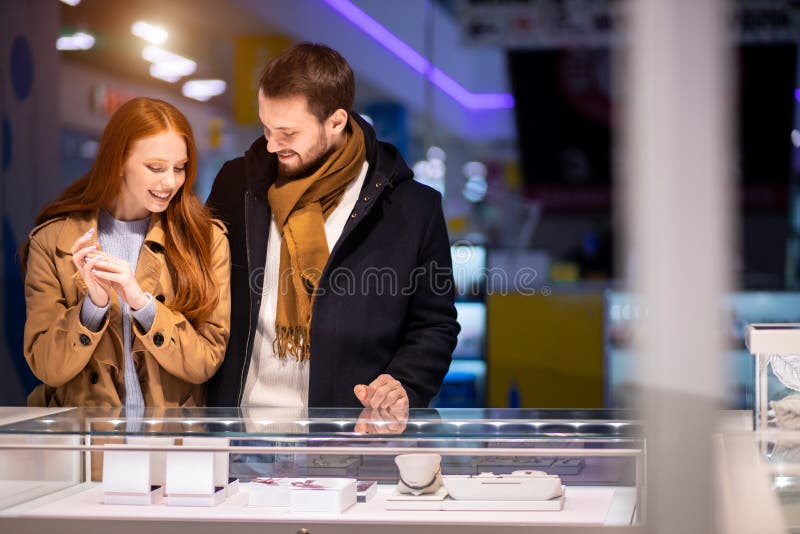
pixel 123 239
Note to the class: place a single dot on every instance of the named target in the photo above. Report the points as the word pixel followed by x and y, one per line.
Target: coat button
pixel 93 378
pixel 158 339
pixel 353 215
pixel 84 339
pixel 160 298
pixel 378 185
pixel 366 198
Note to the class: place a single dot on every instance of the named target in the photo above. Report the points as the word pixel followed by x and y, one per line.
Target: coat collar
pixel 77 224
pixel 386 165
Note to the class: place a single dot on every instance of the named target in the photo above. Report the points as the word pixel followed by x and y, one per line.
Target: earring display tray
pixel 554 504
pixel 518 486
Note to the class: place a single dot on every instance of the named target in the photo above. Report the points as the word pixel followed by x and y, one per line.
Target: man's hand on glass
pixel 384 392
pixel 385 404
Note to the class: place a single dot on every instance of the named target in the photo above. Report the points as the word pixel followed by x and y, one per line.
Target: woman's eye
pixel 180 169
pixel 155 169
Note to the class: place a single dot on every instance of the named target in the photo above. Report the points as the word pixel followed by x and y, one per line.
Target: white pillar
pixel 678 199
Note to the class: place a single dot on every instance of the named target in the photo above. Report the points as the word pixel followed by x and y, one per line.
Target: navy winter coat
pixel 386 297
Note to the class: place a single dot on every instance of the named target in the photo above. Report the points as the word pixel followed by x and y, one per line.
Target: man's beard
pixel 318 156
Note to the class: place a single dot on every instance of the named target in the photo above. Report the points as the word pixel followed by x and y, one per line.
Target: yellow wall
pixel 552 346
pixel 251 54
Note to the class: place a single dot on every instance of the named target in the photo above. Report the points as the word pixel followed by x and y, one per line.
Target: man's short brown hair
pixel 315 71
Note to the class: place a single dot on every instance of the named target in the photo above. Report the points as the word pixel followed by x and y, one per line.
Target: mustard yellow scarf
pixel 300 206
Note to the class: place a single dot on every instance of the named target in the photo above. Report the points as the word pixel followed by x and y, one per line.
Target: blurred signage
pixel 250 57
pixel 106 100
pixel 588 198
pixel 538 23
pixel 566 23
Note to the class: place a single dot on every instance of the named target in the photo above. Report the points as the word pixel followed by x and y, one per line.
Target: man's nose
pixel 273 145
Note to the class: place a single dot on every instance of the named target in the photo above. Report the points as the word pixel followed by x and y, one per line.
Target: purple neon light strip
pixel 797 94
pixel 418 62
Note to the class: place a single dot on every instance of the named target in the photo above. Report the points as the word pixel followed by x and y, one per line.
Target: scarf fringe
pixel 292 340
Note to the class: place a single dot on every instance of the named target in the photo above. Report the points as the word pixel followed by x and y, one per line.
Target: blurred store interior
pixel 511 112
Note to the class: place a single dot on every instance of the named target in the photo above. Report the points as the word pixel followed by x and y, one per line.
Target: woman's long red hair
pixel 187 223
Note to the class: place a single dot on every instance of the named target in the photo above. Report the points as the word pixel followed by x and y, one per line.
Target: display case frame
pixel 769 343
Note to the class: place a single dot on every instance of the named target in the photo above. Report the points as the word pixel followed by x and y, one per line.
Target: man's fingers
pixel 360 392
pixel 383 392
pixel 379 382
pixel 377 399
pixel 392 398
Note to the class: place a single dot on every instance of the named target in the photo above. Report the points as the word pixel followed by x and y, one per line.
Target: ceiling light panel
pixel 149 32
pixel 76 41
pixel 203 90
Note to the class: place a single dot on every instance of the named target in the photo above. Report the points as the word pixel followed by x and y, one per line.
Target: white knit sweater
pixel 272 381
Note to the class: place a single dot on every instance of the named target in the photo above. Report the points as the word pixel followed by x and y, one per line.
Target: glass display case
pixel 781 456
pixel 320 470
pixel 758 475
pixel 623 311
pixel 774 347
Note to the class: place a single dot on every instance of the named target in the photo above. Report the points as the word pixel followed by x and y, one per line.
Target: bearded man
pixel 341 283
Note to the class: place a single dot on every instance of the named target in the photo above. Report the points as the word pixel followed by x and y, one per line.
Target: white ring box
pixel 272 492
pixel 158 459
pixel 126 478
pixel 199 478
pixel 305 494
pixel 336 495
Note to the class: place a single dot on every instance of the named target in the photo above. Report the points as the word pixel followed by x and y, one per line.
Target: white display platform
pixel 583 506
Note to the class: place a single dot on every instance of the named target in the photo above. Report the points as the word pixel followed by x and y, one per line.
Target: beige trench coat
pixel 79 367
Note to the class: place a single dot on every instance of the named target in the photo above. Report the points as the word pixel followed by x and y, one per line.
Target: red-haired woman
pixel 127 276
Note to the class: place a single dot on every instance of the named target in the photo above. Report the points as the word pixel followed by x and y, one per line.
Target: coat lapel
pixel 258 216
pixel 150 262
pixel 75 226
